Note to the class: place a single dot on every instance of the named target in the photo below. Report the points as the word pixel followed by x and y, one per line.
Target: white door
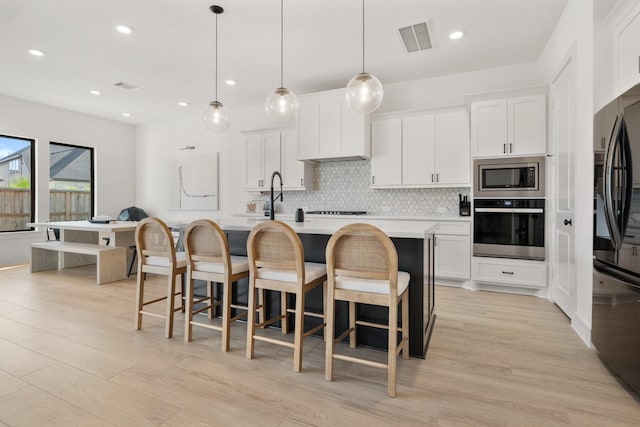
pixel 489 128
pixel 563 137
pixel 255 162
pixel 292 169
pixel 271 147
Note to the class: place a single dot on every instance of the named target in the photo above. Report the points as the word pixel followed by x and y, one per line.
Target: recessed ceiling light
pixel 95 92
pixel 126 114
pixel 182 104
pixel 455 35
pixel 230 82
pixel 36 52
pixel 124 29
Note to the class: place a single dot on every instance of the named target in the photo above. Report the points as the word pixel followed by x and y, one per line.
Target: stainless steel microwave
pixel 509 177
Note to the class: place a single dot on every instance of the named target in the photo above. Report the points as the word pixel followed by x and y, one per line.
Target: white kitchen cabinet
pixel 296 175
pixel 452 160
pixel 425 150
pixel 512 126
pixel 274 150
pixel 329 130
pixel 603 127
pixel 628 51
pixel 453 250
pixel 510 272
pixel 386 159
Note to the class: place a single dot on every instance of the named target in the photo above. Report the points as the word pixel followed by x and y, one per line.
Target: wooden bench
pixel 110 260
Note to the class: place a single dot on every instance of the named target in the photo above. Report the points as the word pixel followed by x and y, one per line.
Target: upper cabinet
pixel 329 130
pixel 274 150
pixel 511 126
pixel 420 150
pixel 628 51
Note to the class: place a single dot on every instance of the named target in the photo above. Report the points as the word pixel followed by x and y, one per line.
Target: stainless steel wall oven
pixel 509 228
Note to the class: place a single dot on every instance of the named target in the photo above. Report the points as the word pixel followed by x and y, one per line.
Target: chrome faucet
pixel 272 209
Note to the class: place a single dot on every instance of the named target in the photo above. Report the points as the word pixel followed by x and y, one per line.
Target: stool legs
pixel 299 331
pixel 188 327
pixel 283 310
pixel 405 325
pixel 329 334
pixel 171 290
pixel 352 324
pixel 139 297
pixel 251 317
pixel 226 314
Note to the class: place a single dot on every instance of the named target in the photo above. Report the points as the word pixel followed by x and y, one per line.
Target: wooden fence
pixel 64 205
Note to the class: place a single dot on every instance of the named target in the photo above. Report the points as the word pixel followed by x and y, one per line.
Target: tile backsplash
pixel 344 186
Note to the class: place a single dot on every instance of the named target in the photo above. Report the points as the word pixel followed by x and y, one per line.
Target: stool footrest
pixel 344 335
pixel 314 330
pixel 205 325
pixel 154 301
pixel 270 321
pixel 160 316
pixel 273 341
pixel 371 324
pixel 361 361
pixel 401 345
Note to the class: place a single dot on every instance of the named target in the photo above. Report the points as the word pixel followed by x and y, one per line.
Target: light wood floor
pixel 69 356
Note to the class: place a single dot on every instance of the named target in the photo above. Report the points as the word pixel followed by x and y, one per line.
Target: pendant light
pixel 364 91
pixel 215 117
pixel 282 103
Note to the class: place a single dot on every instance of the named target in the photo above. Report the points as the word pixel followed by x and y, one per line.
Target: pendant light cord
pixel 281 43
pixel 216 57
pixel 362 36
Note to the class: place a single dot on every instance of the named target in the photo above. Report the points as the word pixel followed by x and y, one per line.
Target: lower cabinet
pixel 453 250
pixel 512 272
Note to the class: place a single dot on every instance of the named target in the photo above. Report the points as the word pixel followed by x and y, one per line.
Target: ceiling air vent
pixel 415 37
pixel 126 86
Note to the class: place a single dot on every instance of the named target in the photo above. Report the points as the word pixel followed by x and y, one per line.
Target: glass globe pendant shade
pixel 282 105
pixel 215 117
pixel 364 93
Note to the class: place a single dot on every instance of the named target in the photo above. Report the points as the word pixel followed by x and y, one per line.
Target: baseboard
pixel 582 329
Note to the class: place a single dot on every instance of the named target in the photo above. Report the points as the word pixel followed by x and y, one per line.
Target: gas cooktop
pixel 337 212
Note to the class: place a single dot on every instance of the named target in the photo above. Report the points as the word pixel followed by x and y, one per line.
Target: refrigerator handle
pixel 627 178
pixel 607 179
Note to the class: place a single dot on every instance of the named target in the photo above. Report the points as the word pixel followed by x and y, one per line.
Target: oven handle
pixel 509 210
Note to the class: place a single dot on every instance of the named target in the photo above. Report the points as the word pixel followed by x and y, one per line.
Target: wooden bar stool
pixel 276 262
pixel 362 267
pixel 208 259
pixel 156 254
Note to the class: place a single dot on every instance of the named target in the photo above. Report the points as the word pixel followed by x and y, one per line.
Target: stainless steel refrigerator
pixel 616 236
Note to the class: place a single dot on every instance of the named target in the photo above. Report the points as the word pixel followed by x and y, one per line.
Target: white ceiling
pixel 170 55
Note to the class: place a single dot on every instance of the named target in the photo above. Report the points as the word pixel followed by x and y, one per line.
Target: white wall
pixel 114 145
pixel 576 26
pixel 157 143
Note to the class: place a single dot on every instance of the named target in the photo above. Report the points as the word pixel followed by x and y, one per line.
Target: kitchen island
pixel 415 246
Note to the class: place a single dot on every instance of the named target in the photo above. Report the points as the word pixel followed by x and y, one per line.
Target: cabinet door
pixel 308 131
pixel 271 153
pixel 453 257
pixel 452 148
pixel 354 135
pixel 489 128
pixel 255 162
pixel 418 150
pixel 527 125
pixel 292 168
pixel 330 127
pixel 386 152
pixel 628 61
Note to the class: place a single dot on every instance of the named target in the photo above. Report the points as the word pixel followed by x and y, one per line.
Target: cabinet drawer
pixel 522 273
pixel 458 228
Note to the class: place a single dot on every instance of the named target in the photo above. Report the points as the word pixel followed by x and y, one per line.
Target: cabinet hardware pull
pixel 504 148
pixel 507 272
pixel 437 177
pixel 510 147
pixel 373 179
pixel 302 182
pixel 431 177
pixel 567 222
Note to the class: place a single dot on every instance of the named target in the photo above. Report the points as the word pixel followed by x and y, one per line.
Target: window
pixel 17 183
pixel 71 182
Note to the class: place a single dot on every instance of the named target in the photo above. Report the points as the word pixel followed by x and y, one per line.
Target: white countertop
pixel 320 224
pixel 88 226
pixel 367 217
